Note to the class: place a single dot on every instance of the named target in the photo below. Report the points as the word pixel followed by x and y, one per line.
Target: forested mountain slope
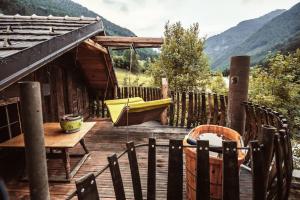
pixel 281 32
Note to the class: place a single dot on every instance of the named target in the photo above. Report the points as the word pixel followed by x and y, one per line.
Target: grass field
pixel 135 79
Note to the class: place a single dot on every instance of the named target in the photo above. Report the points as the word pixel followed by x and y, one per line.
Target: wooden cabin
pixel 57 52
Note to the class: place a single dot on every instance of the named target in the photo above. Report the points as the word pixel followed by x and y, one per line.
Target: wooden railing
pixel 97 107
pixel 269 154
pixel 261 154
pixel 190 109
pixel 147 93
pixel 280 171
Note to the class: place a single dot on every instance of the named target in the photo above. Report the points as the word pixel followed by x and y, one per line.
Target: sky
pixel 148 17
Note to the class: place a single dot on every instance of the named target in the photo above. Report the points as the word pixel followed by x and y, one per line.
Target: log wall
pixel 63 90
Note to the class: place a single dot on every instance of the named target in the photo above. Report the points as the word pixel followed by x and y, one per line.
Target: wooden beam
pixel 121 46
pixel 5 102
pixel 117 41
pixel 96 45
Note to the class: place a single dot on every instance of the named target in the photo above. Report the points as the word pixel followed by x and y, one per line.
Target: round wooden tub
pixel 215 162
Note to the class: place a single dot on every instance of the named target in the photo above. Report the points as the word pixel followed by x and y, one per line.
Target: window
pixel 10 123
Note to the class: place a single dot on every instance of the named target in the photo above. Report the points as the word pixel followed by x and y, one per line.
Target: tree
pixel 135 65
pixel 123 61
pixel 217 84
pixel 226 72
pixel 277 84
pixel 182 59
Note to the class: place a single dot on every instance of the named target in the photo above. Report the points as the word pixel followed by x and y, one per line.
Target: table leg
pixel 66 159
pixel 83 146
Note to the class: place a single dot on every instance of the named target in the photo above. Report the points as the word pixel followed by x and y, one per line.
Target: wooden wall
pixel 63 88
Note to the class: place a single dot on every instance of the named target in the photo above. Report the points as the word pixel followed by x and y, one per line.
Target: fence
pixel 262 159
pixel 147 93
pixel 269 156
pixel 190 109
pixel 281 167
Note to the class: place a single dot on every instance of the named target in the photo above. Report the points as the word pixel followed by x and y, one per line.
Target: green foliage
pixel 120 62
pixel 131 55
pixel 123 61
pixel 277 85
pixel 146 53
pixel 217 84
pixel 182 60
pixel 226 72
pixel 135 79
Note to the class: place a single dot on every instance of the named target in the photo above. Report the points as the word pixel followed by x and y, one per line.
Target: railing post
pixel 230 171
pixel 115 95
pixel 202 173
pixel 190 110
pixel 151 180
pixel 257 166
pixel 267 140
pixel 175 171
pixel 32 121
pixel 86 188
pixel 238 92
pixel 164 93
pixel 134 169
pixel 116 177
pixel 172 109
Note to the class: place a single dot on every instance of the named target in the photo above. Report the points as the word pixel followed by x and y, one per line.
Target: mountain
pixel 282 32
pixel 57 8
pixel 217 45
pixel 290 44
pixel 277 31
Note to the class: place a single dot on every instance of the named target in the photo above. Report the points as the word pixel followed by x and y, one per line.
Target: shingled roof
pixel 29 42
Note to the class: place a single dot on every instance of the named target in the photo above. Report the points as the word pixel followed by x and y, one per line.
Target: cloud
pixel 148 17
pixel 124 8
pixel 109 1
pixel 251 1
pixel 115 4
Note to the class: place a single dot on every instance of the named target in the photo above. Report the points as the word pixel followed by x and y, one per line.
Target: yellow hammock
pixel 139 111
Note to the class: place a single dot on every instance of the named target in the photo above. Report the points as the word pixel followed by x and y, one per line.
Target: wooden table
pixel 56 139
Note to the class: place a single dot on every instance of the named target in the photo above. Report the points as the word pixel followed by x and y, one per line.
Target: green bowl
pixel 71 123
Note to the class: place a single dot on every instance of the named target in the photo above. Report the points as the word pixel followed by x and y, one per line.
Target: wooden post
pixel 258 171
pixel 116 92
pixel 164 94
pixel 32 121
pixel 238 92
pixel 151 179
pixel 230 171
pixel 172 109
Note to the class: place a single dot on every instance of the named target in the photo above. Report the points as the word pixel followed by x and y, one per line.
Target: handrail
pixel 98 173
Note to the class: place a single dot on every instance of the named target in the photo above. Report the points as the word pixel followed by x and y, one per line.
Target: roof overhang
pixel 18 65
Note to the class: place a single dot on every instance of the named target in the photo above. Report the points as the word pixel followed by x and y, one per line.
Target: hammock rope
pixel 128 85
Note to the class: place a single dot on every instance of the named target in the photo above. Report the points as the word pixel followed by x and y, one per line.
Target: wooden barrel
pixel 215 162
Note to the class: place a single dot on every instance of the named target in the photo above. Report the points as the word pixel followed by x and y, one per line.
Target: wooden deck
pixel 104 140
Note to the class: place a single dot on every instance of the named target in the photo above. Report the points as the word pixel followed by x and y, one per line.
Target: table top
pixel 54 136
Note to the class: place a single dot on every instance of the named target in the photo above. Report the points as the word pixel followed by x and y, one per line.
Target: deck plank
pixel 102 141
